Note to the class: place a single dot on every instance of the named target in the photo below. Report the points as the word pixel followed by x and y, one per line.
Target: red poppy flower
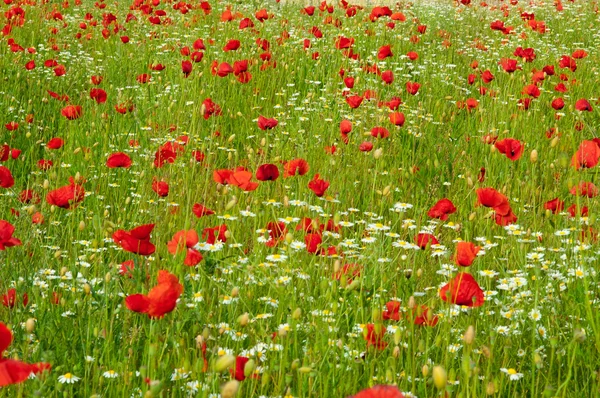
pixel 343 42
pixel 98 95
pixel 412 88
pixel 374 334
pixel 71 112
pixel 267 172
pixel 585 189
pixel 558 104
pixel 12 126
pixel 507 219
pixel 232 45
pixel 354 101
pixel 201 211
pixel 6 178
pixel 318 186
pixel 366 146
pixel 295 167
pixel 13 371
pixel 424 316
pixel 6 235
pixel 509 65
pixel 266 124
pixel 313 241
pixel 463 290
pixel 555 205
pixel 136 241
pixel 67 197
pixel 186 240
pixel 186 67
pixel 442 209
pixel 465 253
pixel 579 54
pixel 241 179
pixel 583 105
pixel 392 311
pixel 487 76
pixel 209 108
pixel 118 159
pixel 387 77
pixel 380 132
pixel 587 156
pixel 513 149
pixel 126 268
pixel 532 90
pixel 161 299
pixel 277 232
pixel 397 118
pixel 423 240
pixel 10 298
pixel 380 391
pixel 573 211
pixel 55 143
pixel 214 234
pixel 160 187
pixel 489 197
pixel 29 196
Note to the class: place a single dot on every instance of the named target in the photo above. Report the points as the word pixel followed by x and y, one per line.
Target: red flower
pixel 186 67
pixel 232 45
pixel 573 211
pixel 465 253
pixel 201 211
pixel 126 268
pixel 209 108
pixel 214 234
pixel 67 197
pixel 161 299
pixel 160 187
pixel 380 132
pixel 583 105
pixel 387 77
pixel 12 126
pixel 241 179
pixel 558 104
pixel 238 373
pixel 6 235
pixel 29 196
pixel 555 205
pixel 266 124
pixel 55 143
pixel 277 232
pixel 513 149
pixel 424 316
pixel 267 172
pixel 354 101
pixel 509 65
pixel 186 240
pixel 397 118
pixel 392 311
pixel 136 241
pixel 44 164
pixel 6 178
pixel 10 298
pixel 423 240
pixel 318 186
pixel 118 159
pixel 13 371
pixel 98 95
pixel 489 197
pixel 442 209
pixel 585 189
pixel 374 336
pixel 296 166
pixel 365 146
pixel 143 78
pixel 463 290
pixel 313 241
pixel 412 88
pixel 71 112
pixel 380 391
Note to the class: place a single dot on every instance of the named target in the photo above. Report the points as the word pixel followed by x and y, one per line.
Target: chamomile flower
pixel 110 374
pixel 512 373
pixel 68 378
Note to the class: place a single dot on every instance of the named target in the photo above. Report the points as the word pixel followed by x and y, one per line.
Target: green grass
pixel 318 349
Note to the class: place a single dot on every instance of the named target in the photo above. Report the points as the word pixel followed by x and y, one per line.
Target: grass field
pixel 259 199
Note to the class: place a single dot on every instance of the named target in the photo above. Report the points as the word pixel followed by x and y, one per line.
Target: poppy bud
pixel 490 388
pixel 286 201
pixel 378 153
pixel 411 302
pixel 472 216
pixel 230 389
pixel 396 352
pixel 419 273
pixel 297 314
pixel 223 363
pixel 231 138
pixel 376 313
pixel 554 142
pixel 534 156
pixel 386 191
pixel 107 277
pixel 46 184
pixel 243 319
pixel 249 367
pixel 425 370
pixel 440 378
pixel 30 325
pixel 87 289
pixel 289 237
pixel 469 335
pixel 81 225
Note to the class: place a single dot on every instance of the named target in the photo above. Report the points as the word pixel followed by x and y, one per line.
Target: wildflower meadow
pixel 283 199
